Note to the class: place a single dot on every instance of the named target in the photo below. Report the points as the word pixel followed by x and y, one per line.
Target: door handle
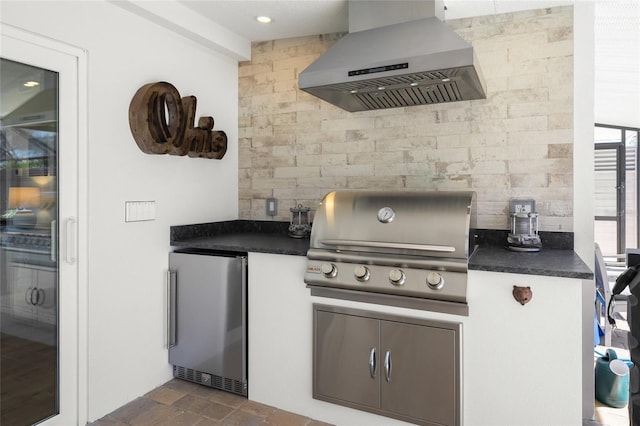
pixel 372 363
pixel 28 296
pixel 387 366
pixel 171 308
pixel 70 243
pixel 54 240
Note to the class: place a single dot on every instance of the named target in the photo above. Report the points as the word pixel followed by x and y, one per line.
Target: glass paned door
pixel 29 278
pixel 38 201
pixel 616 189
pixel 609 197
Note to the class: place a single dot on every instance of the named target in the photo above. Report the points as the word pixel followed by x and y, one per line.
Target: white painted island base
pixel 522 365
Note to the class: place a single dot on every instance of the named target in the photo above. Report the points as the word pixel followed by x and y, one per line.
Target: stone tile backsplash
pixel 516 143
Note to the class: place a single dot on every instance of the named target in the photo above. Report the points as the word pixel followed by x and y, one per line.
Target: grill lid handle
pixel 378 244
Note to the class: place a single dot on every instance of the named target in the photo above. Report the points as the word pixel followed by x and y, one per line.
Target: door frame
pixel 73 227
pixel 620 217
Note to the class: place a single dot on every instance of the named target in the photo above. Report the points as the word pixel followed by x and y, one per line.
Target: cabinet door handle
pixel 28 296
pixel 372 363
pixel 33 296
pixel 171 308
pixel 41 296
pixel 387 366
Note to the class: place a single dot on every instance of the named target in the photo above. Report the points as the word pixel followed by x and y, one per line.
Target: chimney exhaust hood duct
pixel 406 63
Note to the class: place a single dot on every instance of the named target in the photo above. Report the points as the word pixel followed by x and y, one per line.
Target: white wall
pixel 127 261
pixel 583 119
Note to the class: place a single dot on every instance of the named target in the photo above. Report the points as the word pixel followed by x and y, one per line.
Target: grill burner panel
pixel 410 281
pixel 27 242
pixel 403 246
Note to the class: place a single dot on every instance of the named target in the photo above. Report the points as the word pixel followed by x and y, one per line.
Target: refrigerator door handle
pixel 171 308
pixel 244 261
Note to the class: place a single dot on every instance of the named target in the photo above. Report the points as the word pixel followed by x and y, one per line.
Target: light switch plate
pixel 137 211
pixel 272 206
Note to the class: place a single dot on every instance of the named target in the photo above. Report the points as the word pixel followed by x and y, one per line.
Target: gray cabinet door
pixel 419 372
pixel 343 350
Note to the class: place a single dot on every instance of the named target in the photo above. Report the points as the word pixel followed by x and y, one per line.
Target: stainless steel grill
pixel 407 249
pixel 26 242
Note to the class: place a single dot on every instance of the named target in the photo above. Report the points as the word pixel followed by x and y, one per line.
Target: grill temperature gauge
pixel 386 215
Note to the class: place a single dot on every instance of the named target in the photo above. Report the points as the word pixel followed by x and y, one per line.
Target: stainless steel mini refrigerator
pixel 207 318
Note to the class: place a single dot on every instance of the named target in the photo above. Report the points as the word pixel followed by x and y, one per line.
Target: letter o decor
pixel 163 123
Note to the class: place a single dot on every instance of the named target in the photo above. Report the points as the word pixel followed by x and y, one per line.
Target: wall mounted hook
pixel 523 295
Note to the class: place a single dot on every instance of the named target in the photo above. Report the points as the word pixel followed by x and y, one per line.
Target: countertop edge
pixel 532 271
pixel 212 245
pixel 271 237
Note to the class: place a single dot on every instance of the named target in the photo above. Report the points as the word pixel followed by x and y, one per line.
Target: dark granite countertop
pixel 260 236
pixel 548 261
pixel 272 237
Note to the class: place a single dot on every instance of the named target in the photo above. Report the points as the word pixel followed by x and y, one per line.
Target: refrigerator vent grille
pixel 212 380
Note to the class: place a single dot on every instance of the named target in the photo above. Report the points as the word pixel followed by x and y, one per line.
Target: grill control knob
pixel 329 270
pixel 361 273
pixel 435 280
pixel 396 277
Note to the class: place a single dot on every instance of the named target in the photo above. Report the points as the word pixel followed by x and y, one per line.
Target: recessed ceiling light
pixel 263 19
pixel 30 84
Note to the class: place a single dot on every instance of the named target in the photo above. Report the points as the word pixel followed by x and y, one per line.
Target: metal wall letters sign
pixel 163 123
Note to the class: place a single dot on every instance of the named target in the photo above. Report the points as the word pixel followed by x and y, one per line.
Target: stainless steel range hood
pixel 418 62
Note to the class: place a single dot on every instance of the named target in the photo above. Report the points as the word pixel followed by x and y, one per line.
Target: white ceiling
pixel 290 18
pixel 295 18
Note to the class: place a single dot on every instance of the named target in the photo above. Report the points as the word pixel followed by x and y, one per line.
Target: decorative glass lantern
pixel 300 225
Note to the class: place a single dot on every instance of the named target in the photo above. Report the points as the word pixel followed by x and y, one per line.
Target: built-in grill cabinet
pixel 408 249
pixel 404 368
